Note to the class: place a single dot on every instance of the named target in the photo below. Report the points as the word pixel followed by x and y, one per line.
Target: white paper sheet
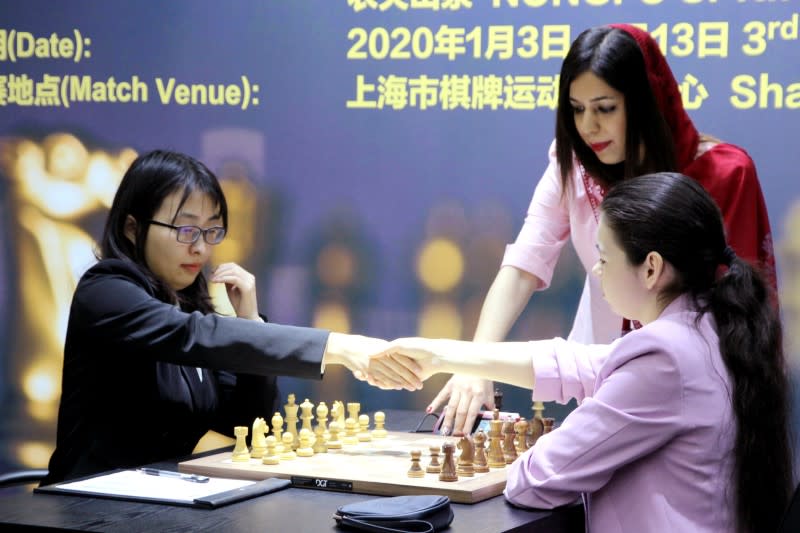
pixel 140 485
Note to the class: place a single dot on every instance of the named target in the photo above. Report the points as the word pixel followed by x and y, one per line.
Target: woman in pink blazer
pixel 682 423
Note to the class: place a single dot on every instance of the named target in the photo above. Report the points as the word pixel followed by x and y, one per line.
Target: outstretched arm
pixel 507 362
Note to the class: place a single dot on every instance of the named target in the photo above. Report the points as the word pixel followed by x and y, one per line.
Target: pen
pixel 168 473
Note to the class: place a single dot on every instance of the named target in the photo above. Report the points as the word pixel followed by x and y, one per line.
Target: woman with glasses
pixel 149 367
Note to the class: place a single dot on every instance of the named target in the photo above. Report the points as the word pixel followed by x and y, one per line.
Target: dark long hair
pixel 151 178
pixel 672 214
pixel 613 55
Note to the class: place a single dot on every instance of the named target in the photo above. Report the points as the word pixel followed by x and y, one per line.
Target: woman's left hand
pixel 241 288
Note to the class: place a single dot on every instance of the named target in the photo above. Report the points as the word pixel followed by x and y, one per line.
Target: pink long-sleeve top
pixel 724 170
pixel 551 219
pixel 650 445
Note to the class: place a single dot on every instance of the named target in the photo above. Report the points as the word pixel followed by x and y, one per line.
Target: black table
pixel 292 509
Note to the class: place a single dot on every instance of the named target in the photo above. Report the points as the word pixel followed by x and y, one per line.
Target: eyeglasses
pixel 190 234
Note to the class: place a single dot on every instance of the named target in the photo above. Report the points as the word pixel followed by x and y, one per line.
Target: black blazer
pixel 131 393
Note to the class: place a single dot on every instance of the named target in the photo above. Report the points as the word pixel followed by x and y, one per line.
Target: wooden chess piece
pixel 498 399
pixel 352 410
pixel 509 451
pixel 364 434
pixel 322 419
pixel 496 458
pixel 434 467
pixel 448 472
pixel 277 425
pixel 288 453
pixel 240 452
pixel 480 466
pixel 258 442
pixel 305 449
pixel 305 415
pixel 535 430
pixel 337 413
pixel 380 419
pixel 416 470
pixel 320 445
pixel 350 429
pixel 521 430
pixel 271 455
pixel 290 408
pixel 538 409
pixel 466 458
pixel 334 443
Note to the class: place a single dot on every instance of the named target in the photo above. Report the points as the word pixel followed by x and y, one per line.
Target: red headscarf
pixel 726 171
pixel 668 96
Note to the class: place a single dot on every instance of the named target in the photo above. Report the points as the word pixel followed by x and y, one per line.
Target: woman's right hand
pixel 463 396
pixel 466 395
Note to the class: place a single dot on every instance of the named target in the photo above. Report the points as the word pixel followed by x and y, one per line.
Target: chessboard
pixel 378 467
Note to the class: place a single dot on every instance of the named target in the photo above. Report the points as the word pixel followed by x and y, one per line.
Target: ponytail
pixel 673 215
pixel 750 343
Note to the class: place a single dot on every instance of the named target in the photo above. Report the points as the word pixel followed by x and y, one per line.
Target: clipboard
pixel 132 485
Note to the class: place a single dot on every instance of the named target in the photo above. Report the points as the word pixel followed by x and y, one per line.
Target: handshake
pixel 400 364
pixel 406 363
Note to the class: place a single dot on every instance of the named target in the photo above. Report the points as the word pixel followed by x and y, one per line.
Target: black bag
pixel 398 514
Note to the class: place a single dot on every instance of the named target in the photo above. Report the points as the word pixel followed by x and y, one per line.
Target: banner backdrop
pixel 377 155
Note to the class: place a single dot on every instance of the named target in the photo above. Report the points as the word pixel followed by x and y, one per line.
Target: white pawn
pixel 350 429
pixel 287 454
pixel 334 443
pixel 271 455
pixel 305 449
pixel 320 445
pixel 363 434
pixel 379 432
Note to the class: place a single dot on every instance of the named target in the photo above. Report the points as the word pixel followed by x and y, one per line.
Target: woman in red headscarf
pixel 620 115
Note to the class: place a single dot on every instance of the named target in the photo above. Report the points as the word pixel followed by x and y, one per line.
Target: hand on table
pixel 466 397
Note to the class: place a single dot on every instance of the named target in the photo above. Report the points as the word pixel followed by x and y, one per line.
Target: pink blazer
pixel 651 441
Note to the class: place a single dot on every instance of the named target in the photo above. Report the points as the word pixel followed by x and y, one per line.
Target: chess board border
pixel 467 490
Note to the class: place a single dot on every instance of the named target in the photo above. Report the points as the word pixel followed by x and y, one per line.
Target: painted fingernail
pixel 429 409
